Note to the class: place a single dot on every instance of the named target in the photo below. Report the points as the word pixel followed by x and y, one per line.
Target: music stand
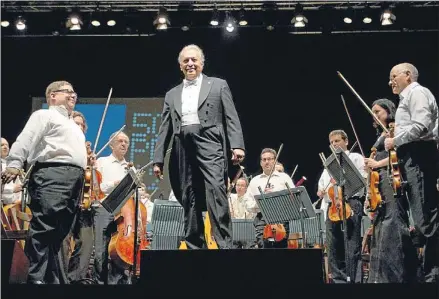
pixel 286 205
pixel 347 176
pixel 114 202
pixel 243 231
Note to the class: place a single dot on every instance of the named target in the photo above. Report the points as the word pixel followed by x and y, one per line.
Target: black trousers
pixel 198 174
pixel 105 271
pixel 418 166
pixel 392 254
pixel 337 253
pixel 82 234
pixel 55 190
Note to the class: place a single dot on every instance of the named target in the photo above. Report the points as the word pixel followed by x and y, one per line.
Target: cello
pixel 121 247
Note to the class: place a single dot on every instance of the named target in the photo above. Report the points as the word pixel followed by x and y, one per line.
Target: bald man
pixel 415 140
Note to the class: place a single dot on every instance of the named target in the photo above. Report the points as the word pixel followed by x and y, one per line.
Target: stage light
pixel 242 19
pixel 215 18
pixel 5 23
pixel 20 24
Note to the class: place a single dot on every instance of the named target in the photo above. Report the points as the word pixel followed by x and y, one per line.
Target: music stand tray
pixel 114 202
pixel 279 207
pixel 347 175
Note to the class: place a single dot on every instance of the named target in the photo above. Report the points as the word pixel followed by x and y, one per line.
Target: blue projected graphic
pixel 143 140
pixel 114 120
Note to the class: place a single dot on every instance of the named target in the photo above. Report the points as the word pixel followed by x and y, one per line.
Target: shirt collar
pixel 60 109
pixel 275 173
pixel 114 159
pixel 407 89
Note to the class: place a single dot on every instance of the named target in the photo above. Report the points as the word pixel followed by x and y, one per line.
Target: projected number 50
pixel 144 137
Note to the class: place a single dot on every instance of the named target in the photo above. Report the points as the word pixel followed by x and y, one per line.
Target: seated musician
pixel 279 167
pixel 276 183
pixel 113 169
pixel 392 253
pixel 82 231
pixel 11 192
pixel 238 201
pixel 334 234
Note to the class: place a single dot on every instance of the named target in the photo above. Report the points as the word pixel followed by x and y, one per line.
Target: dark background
pixel 285 86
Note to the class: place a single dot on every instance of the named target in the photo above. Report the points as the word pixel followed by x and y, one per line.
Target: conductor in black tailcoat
pixel 200 118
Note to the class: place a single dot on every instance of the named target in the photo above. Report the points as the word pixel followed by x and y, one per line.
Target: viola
pixel 393 165
pixel 92 181
pixel 335 213
pixel 373 193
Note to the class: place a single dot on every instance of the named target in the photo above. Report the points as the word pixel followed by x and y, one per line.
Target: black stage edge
pixel 265 283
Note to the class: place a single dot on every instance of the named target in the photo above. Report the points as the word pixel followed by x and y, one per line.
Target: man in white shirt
pixel 113 169
pixel 415 140
pixel 11 192
pixel 200 119
pixel 334 234
pixel 56 146
pixel 276 183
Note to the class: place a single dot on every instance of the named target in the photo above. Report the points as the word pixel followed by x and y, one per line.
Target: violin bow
pixel 294 171
pixel 109 141
pixel 102 119
pixel 363 102
pixel 274 165
pixel 353 127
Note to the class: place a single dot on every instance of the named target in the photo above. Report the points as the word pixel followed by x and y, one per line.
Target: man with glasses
pixel 416 134
pixel 55 145
pixel 276 183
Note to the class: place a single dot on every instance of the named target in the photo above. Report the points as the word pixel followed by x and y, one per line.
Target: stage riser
pixel 175 272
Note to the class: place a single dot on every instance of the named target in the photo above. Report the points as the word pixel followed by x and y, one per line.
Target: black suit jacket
pixel 215 108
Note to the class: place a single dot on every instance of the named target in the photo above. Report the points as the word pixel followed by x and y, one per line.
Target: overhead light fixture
pixel 111 23
pixel 20 23
pixel 214 21
pixel 5 23
pixel 387 17
pixel 349 15
pixel 242 19
pixel 74 22
pixel 299 20
pixel 162 22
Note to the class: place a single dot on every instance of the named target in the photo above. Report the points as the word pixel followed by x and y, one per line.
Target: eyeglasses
pixel 69 92
pixel 396 75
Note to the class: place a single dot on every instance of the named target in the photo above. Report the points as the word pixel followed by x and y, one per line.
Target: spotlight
pixel 20 24
pixel 5 23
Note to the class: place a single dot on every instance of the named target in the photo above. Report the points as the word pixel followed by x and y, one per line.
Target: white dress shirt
pixel 149 205
pixel 49 136
pixel 189 101
pixel 238 206
pixel 112 170
pixel 8 196
pixel 417 115
pixel 277 182
pixel 324 180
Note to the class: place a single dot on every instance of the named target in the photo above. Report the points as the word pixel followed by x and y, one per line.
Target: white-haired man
pixel 415 140
pixel 200 117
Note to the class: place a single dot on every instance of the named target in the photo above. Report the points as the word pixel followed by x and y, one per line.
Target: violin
pixel 373 180
pixel 92 181
pixel 393 165
pixel 335 214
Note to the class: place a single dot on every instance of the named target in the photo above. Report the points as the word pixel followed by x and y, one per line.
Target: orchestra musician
pixel 113 169
pixel 82 230
pixel 415 137
pixel 55 145
pixel 200 118
pixel 11 192
pixel 276 183
pixel 337 255
pixel 392 254
pixel 279 167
